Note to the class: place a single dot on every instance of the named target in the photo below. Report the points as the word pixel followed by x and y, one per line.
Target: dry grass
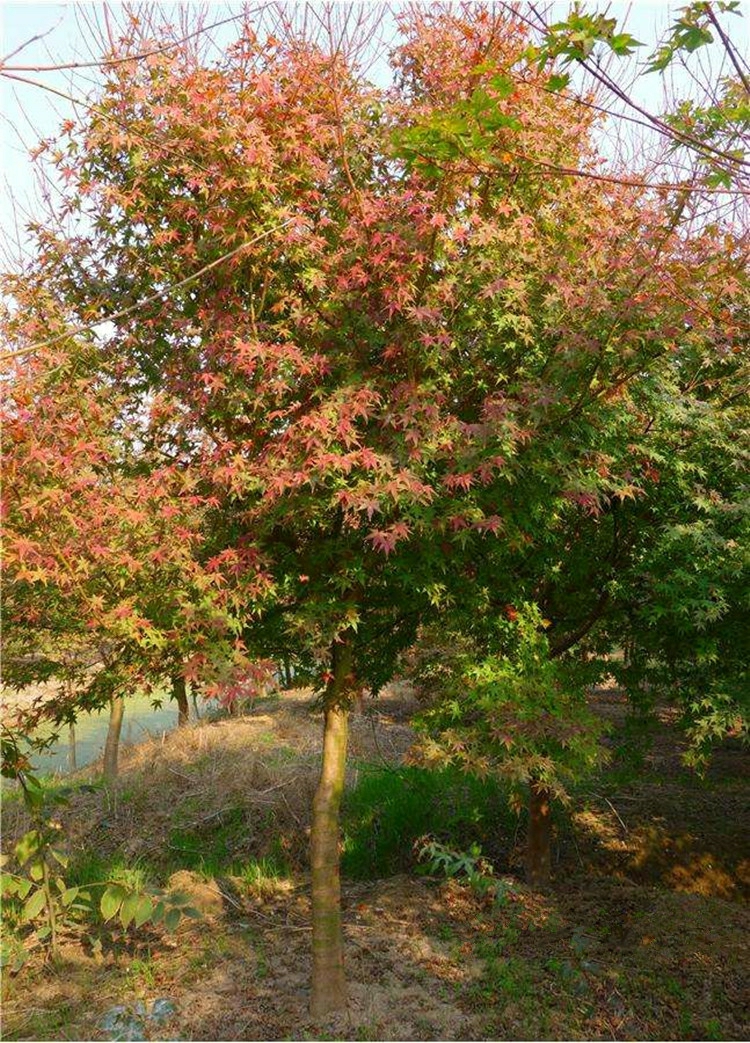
pixel 266 763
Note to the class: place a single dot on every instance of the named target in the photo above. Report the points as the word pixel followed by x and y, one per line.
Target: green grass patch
pixel 209 848
pixel 388 810
pixel 261 874
pixel 44 1024
pixel 91 871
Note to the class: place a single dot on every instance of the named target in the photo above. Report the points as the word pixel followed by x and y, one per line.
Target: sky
pixel 30 112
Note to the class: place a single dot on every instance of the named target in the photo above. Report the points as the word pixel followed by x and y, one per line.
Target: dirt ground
pixel 643 936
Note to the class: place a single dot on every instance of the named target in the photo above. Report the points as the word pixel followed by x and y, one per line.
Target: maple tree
pixel 106 589
pixel 708 128
pixel 499 703
pixel 368 343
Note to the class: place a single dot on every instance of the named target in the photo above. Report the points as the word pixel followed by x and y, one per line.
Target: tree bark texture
pixel 328 979
pixel 72 761
pixel 538 859
pixel 179 694
pixel 112 745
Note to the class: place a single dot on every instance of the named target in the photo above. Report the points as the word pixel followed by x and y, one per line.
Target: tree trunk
pixel 179 694
pixel 286 673
pixel 72 762
pixel 538 849
pixel 112 745
pixel 328 980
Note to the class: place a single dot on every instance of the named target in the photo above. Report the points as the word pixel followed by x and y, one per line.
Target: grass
pixel 390 809
pixel 209 848
pixel 140 975
pixel 261 875
pixel 49 1024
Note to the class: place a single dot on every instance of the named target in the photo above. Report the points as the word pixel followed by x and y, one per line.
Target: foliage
pixel 370 354
pixel 575 38
pixel 690 31
pixel 314 464
pixel 679 608
pixel 440 860
pixel 420 339
pixel 40 901
pixel 713 131
pixel 518 713
pixel 40 885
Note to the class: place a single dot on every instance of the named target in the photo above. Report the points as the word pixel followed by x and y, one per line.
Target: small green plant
pixel 713 1030
pixel 40 900
pixel 141 973
pixel 441 860
pixel 471 865
pixel 43 899
pixel 138 907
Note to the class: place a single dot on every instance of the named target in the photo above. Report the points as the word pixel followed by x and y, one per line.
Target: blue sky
pixel 31 113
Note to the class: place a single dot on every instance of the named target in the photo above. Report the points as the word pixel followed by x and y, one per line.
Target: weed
pixel 200 961
pixel 141 974
pixel 713 1030
pixel 686 1024
pixel 673 988
pixel 566 973
pixel 261 875
pixel 445 933
pixel 505 978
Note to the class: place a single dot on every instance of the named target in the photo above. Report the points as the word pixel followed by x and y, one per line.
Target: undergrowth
pixel 389 809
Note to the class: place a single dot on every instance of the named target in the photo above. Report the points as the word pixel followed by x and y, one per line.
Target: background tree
pixel 107 588
pixel 517 713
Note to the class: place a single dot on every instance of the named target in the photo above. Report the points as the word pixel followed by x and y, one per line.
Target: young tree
pixel 106 586
pixel 518 713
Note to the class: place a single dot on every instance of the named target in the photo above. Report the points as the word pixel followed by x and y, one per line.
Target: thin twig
pixel 181 774
pixel 617 814
pixel 158 296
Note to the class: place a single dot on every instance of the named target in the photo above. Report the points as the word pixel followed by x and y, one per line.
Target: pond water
pixel 140 721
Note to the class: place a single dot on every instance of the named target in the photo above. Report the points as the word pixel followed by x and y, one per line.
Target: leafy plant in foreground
pixel 440 860
pixel 39 903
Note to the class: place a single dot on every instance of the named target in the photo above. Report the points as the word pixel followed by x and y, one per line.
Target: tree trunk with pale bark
pixel 72 760
pixel 179 694
pixel 112 745
pixel 328 979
